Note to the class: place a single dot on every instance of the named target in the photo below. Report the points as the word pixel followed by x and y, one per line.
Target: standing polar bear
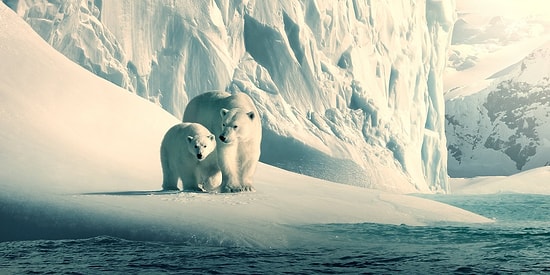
pixel 234 119
pixel 188 152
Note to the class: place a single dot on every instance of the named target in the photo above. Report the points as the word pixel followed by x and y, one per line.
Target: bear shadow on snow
pixel 134 193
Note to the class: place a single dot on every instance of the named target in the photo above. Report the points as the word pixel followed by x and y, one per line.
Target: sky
pixel 508 8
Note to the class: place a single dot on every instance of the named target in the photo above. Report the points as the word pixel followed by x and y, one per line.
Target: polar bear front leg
pixel 227 160
pixel 191 183
pixel 249 161
pixel 170 175
pixel 169 178
pixel 230 181
pixel 212 180
pixel 248 175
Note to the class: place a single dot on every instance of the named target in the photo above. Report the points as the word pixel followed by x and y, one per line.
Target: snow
pixel 352 85
pixel 534 181
pixel 80 158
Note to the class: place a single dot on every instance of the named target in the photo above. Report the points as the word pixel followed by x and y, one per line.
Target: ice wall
pixel 350 91
pixel 74 28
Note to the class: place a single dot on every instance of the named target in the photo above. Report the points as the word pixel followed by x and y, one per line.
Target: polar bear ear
pixel 251 115
pixel 212 137
pixel 223 112
pixel 190 138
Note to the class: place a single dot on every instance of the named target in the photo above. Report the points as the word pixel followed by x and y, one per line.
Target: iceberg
pixel 80 158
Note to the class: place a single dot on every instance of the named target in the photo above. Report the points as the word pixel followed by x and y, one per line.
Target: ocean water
pixel 518 242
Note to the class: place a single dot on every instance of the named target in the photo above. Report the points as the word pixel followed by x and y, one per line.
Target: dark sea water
pixel 518 242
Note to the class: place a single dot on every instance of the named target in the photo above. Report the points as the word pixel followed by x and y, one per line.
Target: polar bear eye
pixel 223 125
pixel 235 127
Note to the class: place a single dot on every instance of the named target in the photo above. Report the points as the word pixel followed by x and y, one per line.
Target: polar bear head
pixel 236 125
pixel 201 146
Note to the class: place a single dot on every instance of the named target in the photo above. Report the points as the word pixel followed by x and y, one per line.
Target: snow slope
pixel 354 88
pixel 534 181
pixel 80 158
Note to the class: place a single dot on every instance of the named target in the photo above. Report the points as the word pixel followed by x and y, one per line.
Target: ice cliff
pixel 350 91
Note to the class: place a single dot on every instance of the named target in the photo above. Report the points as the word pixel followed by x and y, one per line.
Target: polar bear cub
pixel 188 152
pixel 234 120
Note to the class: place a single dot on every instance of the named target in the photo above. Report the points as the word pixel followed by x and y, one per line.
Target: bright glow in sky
pixel 508 8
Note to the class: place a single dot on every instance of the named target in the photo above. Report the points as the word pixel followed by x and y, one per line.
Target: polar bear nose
pixel 199 156
pixel 222 138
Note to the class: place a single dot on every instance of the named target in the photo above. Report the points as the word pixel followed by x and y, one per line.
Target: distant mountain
pixel 504 128
pixel 349 91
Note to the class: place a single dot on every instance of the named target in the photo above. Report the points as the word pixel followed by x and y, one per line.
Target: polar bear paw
pixel 237 188
pixel 194 189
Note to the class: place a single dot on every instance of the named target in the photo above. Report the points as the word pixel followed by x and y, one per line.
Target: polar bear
pixel 188 152
pixel 234 119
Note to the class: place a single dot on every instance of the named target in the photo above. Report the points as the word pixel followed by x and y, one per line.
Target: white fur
pixel 235 121
pixel 188 152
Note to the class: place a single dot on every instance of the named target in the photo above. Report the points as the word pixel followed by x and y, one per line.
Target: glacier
pixel 351 90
